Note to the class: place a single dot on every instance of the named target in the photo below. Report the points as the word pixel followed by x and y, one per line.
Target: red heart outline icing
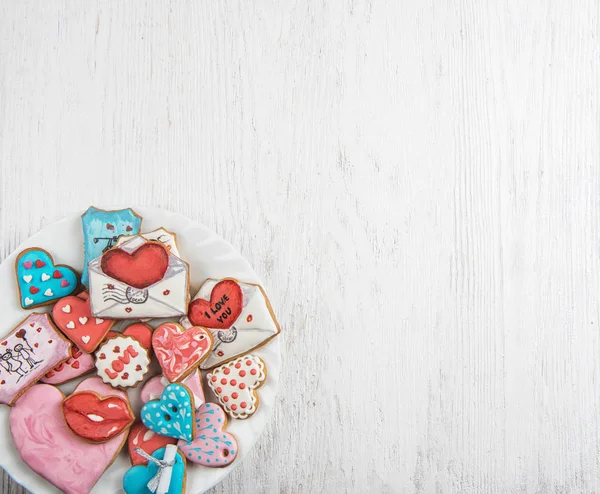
pixel 180 351
pixel 80 308
pixel 225 298
pixel 145 266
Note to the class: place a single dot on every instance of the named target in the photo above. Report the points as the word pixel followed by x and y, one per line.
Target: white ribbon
pixel 155 481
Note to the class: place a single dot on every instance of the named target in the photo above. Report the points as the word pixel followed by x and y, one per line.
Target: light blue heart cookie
pixel 173 414
pixel 41 281
pixel 136 479
pixel 101 229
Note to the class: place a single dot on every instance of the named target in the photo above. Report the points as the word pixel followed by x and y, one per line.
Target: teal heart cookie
pixel 136 479
pixel 40 281
pixel 172 415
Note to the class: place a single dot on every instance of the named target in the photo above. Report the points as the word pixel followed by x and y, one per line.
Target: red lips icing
pixel 224 308
pixel 143 267
pixel 97 419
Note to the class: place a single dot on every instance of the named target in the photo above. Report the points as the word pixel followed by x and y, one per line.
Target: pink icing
pixel 28 352
pixel 72 368
pixel 46 444
pixel 154 388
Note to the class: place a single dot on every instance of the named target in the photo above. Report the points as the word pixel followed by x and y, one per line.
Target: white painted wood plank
pixel 417 183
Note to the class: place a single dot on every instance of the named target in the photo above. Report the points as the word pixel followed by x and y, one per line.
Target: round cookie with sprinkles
pixel 235 385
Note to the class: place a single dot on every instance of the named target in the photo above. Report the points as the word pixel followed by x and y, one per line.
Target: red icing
pixel 143 267
pixel 80 308
pixel 249 318
pixel 39 264
pixel 33 289
pixel 57 274
pixel 97 419
pixel 64 283
pixel 224 308
pixel 142 437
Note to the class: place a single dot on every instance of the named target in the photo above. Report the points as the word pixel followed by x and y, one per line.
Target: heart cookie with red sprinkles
pixel 235 385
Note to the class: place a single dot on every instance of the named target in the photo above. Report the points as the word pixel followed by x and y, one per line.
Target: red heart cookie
pixel 224 307
pixel 143 267
pixel 180 351
pixel 73 317
pixel 97 419
pixel 142 437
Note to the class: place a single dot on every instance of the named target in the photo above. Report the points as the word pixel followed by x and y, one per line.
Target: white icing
pixel 99 321
pixel 45 277
pixel 49 293
pixel 71 325
pixel 95 418
pixel 134 376
pixel 83 320
pixel 28 301
pixel 66 309
pixel 85 339
pixel 27 278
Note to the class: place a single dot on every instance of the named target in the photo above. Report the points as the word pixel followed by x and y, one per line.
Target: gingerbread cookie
pixel 213 446
pixel 79 364
pixel 40 281
pixel 122 362
pixel 97 419
pixel 139 279
pixel 73 316
pixel 142 437
pixel 238 314
pixel 28 352
pixel 172 415
pixel 170 481
pixel 165 237
pixel 101 230
pixel 154 387
pixel 49 447
pixel 235 385
pixel 180 351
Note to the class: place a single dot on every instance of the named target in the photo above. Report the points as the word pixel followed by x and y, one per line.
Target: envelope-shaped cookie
pixel 28 352
pixel 238 314
pixel 138 279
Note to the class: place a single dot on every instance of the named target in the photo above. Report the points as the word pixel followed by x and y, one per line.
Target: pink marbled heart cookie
pixel 47 445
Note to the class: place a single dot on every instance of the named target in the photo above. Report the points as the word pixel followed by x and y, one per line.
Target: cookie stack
pixel 131 306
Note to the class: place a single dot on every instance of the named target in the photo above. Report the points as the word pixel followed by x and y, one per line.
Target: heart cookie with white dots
pixel 235 385
pixel 73 316
pixel 172 415
pixel 40 281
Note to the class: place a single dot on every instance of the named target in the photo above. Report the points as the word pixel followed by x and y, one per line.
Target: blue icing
pixel 40 284
pixel 136 478
pixel 98 235
pixel 171 415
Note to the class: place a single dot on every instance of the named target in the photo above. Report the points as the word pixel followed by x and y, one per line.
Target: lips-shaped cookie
pixel 224 307
pixel 97 419
pixel 142 437
pixel 179 351
pixel 143 267
pixel 73 317
pixel 50 448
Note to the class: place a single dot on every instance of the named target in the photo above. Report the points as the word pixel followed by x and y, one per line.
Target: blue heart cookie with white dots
pixel 136 478
pixel 172 415
pixel 40 281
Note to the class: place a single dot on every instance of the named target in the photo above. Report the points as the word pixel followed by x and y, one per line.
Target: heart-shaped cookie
pixel 136 478
pixel 224 307
pixel 48 446
pixel 179 351
pixel 235 385
pixel 40 281
pixel 143 267
pixel 173 414
pixel 74 318
pixel 213 446
pixel 142 437
pixel 79 364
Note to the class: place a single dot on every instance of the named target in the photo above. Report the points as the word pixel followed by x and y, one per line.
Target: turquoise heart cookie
pixel 40 281
pixel 172 415
pixel 136 479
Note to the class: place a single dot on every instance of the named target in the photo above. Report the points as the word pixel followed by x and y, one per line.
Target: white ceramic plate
pixel 209 256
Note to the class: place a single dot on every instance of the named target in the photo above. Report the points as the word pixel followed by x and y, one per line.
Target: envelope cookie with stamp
pixel 138 279
pixel 238 314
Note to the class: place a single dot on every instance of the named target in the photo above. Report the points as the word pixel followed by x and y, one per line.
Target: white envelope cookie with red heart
pixel 138 279
pixel 238 314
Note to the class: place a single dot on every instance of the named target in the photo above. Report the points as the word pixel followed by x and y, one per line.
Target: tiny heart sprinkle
pixel 75 364
pixel 39 330
pixel 3 381
pixel 36 345
pixel 101 356
pixel 64 283
pixel 32 324
pixel 4 343
pixel 128 309
pixel 28 264
pixel 138 367
pixel 39 263
pixel 57 274
pixel 33 289
pixel 49 342
pixel 125 375
pixel 166 292
pixel 117 349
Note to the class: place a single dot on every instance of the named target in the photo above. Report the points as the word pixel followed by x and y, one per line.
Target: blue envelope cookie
pixel 101 230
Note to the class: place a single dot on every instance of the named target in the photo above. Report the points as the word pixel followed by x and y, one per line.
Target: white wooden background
pixel 417 182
